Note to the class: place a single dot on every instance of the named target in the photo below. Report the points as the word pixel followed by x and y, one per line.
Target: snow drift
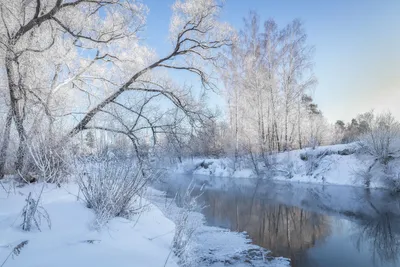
pixel 336 164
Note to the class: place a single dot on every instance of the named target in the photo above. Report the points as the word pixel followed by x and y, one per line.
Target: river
pixel 312 225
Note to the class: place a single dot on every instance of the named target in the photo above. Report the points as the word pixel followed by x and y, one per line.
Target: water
pixel 313 225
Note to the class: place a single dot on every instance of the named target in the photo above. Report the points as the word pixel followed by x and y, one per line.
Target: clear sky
pixel 357 59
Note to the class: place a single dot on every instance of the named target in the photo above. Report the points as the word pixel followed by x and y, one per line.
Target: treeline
pixel 269 79
pixel 358 126
pixel 92 86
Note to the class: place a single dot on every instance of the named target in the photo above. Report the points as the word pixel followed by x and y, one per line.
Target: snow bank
pixel 71 241
pixel 143 241
pixel 336 164
pixel 214 246
pixel 222 167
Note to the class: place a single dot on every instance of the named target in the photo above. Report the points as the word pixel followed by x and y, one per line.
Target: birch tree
pixel 296 78
pixel 269 72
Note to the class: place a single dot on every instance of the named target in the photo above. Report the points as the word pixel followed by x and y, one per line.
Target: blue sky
pixel 357 58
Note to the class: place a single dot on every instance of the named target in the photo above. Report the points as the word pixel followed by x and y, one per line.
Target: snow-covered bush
pixel 312 163
pixel 47 162
pixel 391 176
pixel 112 189
pixel 185 226
pixel 286 167
pixel 312 159
pixel 381 145
pixel 364 175
pixel 33 214
pixel 382 140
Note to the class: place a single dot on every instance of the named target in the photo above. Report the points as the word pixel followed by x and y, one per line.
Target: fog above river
pixel 313 225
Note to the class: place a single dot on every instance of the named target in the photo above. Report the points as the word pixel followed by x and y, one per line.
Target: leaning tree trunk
pixel 16 97
pixel 5 144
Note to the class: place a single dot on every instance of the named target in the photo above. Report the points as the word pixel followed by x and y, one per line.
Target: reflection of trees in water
pixel 291 231
pixel 287 231
pixel 382 234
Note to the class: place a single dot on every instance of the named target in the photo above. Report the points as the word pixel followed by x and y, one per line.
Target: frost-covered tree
pixel 208 141
pixel 47 47
pixel 380 148
pixel 268 72
pixel 382 138
pixel 68 62
pixel 296 77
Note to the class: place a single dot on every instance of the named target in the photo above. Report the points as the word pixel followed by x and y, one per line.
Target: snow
pixel 144 241
pixel 214 246
pixel 332 168
pixel 222 167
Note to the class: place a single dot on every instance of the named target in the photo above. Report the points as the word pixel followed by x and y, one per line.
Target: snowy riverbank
pixel 146 240
pixel 213 246
pixel 337 164
pixel 72 241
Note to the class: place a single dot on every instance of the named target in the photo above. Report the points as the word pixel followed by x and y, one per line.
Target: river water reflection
pixel 313 225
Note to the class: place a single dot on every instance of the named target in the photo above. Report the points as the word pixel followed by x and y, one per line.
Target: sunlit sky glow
pixel 357 58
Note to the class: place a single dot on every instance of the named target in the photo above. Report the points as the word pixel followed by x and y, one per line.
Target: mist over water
pixel 313 225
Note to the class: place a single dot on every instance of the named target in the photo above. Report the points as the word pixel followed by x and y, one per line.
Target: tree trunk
pixel 286 125
pixel 5 144
pixel 236 129
pixel 16 96
pixel 278 142
pixel 299 124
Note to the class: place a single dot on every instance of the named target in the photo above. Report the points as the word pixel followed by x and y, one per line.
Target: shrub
pixel 33 213
pixel 381 144
pixel 186 223
pixel 382 139
pixel 365 175
pixel 112 189
pixel 47 162
pixel 313 159
pixel 391 177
